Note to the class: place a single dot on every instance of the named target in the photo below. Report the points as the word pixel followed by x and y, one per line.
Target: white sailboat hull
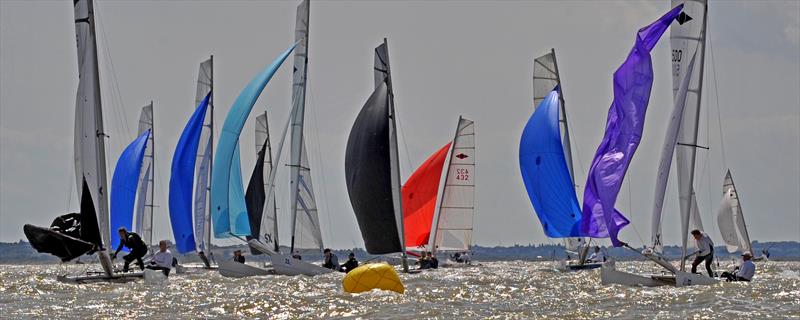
pixel 609 275
pixel 232 269
pixel 288 266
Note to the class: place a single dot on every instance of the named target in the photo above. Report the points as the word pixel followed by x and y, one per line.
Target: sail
pixel 256 194
pixel 453 229
pixel 632 83
pixel 124 184
pixel 202 216
pixel 730 219
pixel 182 179
pixel 269 216
pixel 687 39
pixel 307 234
pixel 225 222
pixel 667 151
pixel 143 221
pixel 90 155
pixel 368 176
pixel 420 198
pixel 545 173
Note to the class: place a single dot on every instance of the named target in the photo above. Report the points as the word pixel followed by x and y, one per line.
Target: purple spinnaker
pixel 632 83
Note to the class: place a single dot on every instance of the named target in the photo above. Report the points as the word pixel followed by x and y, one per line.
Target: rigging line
pixel 405 145
pixel 115 81
pixel 716 100
pixel 326 208
pixel 630 207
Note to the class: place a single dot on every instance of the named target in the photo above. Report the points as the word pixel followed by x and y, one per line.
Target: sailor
pixel 744 272
pixel 705 251
pixel 331 260
pixel 204 258
pixel 132 241
pixel 433 263
pixel 350 264
pixel 597 255
pixel 238 257
pixel 163 259
pixel 423 261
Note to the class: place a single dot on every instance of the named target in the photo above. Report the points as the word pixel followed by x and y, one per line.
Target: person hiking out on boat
pixel 744 272
pixel 423 261
pixel 350 264
pixel 705 251
pixel 138 248
pixel 331 260
pixel 163 259
pixel 597 255
pixel 238 257
pixel 433 263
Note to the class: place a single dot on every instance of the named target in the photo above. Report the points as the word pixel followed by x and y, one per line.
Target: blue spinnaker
pixel 225 222
pixel 545 172
pixel 625 124
pixel 124 185
pixel 182 178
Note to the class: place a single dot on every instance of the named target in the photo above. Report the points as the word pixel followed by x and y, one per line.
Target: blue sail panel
pixel 124 185
pixel 545 172
pixel 224 158
pixel 240 221
pixel 182 178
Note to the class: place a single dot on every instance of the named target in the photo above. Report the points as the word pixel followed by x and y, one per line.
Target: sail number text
pixel 462 174
pixel 677 55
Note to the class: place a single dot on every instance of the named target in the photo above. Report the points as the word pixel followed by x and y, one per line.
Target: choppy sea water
pixel 514 289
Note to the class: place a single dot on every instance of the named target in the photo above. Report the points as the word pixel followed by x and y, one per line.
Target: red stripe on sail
pixel 419 198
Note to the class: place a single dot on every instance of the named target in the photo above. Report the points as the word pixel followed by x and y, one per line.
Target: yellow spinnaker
pixel 372 276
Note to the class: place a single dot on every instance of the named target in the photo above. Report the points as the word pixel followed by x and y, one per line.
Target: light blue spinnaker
pixel 228 222
pixel 124 184
pixel 545 171
pixel 181 180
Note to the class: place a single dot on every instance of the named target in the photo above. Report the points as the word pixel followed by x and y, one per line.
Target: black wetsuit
pixel 240 259
pixel 349 265
pixel 138 250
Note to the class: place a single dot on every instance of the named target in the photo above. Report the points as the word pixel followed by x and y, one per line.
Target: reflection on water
pixel 513 289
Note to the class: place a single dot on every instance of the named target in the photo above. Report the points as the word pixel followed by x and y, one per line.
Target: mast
pixel 563 120
pixel 440 195
pixel 395 160
pixel 152 176
pixel 207 224
pixel 277 246
pixel 740 216
pixel 299 105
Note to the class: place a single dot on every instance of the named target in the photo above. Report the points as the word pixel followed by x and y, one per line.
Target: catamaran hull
pixel 232 269
pixel 564 266
pixel 679 279
pixel 101 277
pixel 288 266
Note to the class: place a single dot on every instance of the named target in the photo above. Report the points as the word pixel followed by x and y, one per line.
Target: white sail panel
pixel 457 207
pixel 269 215
pixel 202 216
pixel 730 219
pixel 307 234
pixel 144 208
pixel 90 157
pixel 687 39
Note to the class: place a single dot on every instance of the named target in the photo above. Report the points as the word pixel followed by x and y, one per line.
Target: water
pixel 514 289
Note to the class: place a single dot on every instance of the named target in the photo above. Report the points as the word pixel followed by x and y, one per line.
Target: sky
pixel 449 58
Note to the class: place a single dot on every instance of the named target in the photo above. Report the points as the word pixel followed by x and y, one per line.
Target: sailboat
pixel 730 220
pixel 551 183
pixel 143 217
pixel 372 167
pixel 86 232
pixel 687 39
pixel 440 216
pixel 189 210
pixel 305 227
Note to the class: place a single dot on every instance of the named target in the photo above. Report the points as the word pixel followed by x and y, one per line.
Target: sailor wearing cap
pixel 744 272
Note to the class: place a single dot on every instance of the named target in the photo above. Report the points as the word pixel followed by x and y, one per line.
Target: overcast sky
pixel 449 58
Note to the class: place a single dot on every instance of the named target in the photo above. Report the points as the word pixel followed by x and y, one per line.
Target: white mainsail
pixel 687 39
pixel 306 232
pixel 730 219
pixel 667 152
pixel 202 212
pixel 452 229
pixel 144 206
pixel 269 216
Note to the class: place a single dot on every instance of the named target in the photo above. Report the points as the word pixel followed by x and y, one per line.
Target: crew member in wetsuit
pixel 138 248
pixel 331 260
pixel 350 264
pixel 238 257
pixel 433 263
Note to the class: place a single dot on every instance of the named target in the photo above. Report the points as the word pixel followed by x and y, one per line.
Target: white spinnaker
pixel 144 206
pixel 687 36
pixel 667 152
pixel 545 78
pixel 730 219
pixel 202 216
pixel 269 215
pixel 306 232
pixel 90 154
pixel 453 227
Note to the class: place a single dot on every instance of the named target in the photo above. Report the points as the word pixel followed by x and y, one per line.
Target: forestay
pixel 687 39
pixel 143 218
pixel 730 219
pixel 453 227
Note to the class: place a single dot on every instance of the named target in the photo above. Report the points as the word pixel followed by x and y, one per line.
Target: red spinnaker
pixel 419 198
